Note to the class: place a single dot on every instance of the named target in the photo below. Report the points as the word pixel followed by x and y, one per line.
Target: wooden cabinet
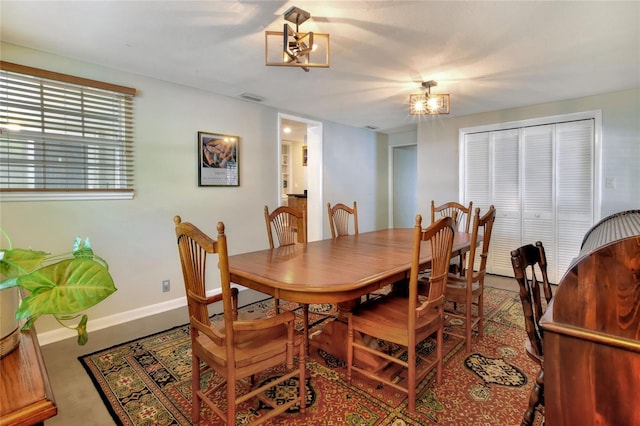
pixel 592 331
pixel 299 202
pixel 25 393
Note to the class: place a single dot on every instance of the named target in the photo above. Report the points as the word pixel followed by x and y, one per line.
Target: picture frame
pixel 218 159
pixel 304 155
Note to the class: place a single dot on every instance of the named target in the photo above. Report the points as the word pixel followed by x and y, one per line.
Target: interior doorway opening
pixel 403 177
pixel 302 171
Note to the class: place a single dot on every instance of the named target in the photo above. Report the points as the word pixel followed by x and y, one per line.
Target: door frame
pixel 314 173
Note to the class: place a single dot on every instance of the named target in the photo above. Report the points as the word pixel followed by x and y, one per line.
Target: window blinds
pixel 63 133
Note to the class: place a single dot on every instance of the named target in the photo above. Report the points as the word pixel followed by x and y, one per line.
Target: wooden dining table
pixel 334 271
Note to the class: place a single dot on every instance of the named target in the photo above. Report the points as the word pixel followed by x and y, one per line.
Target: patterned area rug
pixel 147 381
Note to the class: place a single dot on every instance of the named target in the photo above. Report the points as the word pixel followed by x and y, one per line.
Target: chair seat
pixel 251 346
pixel 456 289
pixel 389 316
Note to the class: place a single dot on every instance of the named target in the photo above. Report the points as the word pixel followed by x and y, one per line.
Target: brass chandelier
pixel 428 103
pixel 292 48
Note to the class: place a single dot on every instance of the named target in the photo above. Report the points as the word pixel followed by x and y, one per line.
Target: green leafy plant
pixel 59 285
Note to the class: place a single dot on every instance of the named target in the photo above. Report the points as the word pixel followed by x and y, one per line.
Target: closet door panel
pixel 538 200
pixel 574 183
pixel 477 170
pixel 505 195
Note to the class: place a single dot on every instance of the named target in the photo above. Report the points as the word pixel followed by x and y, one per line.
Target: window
pixel 63 137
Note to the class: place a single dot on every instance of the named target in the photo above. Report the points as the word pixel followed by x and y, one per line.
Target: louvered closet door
pixel 538 189
pixel 574 188
pixel 505 196
pixel 477 171
pixel 477 181
pixel 540 179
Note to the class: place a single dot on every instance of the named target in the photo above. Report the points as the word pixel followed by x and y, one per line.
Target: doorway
pixel 403 205
pixel 313 170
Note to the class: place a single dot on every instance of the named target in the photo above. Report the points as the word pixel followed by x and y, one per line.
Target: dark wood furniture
pixel 26 397
pixel 299 202
pixel 236 348
pixel 468 289
pixel 530 271
pixel 592 330
pixel 333 271
pixel 407 321
pixel 339 217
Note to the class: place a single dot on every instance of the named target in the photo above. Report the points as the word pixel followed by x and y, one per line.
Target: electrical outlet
pixel 166 286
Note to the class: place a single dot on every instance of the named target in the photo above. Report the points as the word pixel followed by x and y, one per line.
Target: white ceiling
pixel 487 55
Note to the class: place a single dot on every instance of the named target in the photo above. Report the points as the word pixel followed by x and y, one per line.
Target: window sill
pixel 64 196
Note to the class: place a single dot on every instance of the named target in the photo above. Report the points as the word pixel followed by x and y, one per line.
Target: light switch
pixel 610 183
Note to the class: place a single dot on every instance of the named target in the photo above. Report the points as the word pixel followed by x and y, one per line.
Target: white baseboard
pixel 113 320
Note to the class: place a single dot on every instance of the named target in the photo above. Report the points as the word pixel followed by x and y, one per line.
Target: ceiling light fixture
pixel 291 48
pixel 428 103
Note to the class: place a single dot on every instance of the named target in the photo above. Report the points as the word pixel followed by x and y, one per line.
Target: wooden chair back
pixel 339 217
pixel 478 253
pixel 287 223
pixel 530 270
pixel 461 214
pixel 440 238
pixel 194 246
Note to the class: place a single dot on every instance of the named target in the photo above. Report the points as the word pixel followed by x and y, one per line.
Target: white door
pixel 405 196
pixel 541 181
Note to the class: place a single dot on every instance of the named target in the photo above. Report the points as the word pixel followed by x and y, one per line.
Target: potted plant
pixel 60 285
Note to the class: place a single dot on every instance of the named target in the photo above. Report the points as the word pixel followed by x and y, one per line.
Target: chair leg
pixel 303 388
pixel 349 351
pixel 305 326
pixel 195 388
pixel 467 331
pixel 231 400
pixel 536 399
pixel 411 377
pixel 439 354
pixel 481 314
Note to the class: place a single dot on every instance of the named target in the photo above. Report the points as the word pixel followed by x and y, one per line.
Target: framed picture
pixel 304 155
pixel 218 159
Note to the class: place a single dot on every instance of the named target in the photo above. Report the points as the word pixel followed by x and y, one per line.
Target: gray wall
pixel 438 166
pixel 137 236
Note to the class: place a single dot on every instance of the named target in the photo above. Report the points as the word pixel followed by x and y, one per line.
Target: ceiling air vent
pixel 251 97
pixel 371 127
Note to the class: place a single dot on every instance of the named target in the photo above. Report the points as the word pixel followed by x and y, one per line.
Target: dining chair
pixel 287 222
pixel 234 348
pixel 406 321
pixel 468 290
pixel 529 267
pixel 339 217
pixel 462 216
